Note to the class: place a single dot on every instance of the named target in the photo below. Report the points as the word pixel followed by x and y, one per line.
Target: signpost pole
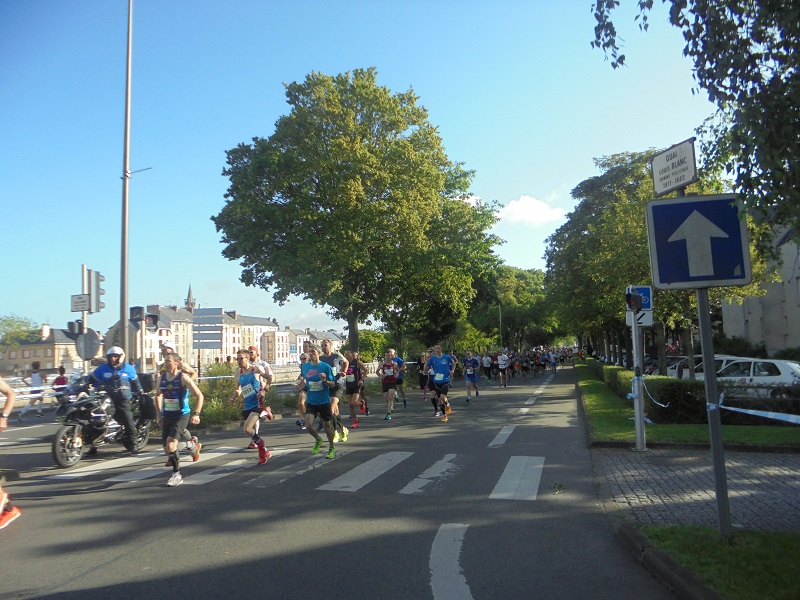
pixel 638 401
pixel 714 422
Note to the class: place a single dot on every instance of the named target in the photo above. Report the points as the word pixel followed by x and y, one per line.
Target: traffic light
pixel 634 302
pixel 136 313
pixel 95 291
pixel 151 323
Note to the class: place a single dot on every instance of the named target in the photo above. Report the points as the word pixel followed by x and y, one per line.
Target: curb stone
pixel 686 584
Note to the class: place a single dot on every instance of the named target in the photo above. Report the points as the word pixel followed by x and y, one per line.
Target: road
pixel 410 508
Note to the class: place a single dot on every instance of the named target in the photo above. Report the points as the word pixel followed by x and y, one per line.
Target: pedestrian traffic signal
pixel 634 302
pixel 95 291
pixel 136 313
pixel 151 323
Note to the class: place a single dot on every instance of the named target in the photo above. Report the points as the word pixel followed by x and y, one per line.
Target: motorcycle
pixel 89 424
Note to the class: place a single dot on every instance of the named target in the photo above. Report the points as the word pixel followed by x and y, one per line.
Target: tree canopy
pixel 15 330
pixel 348 197
pixel 746 55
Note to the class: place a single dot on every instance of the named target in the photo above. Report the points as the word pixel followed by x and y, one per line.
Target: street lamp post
pixel 126 175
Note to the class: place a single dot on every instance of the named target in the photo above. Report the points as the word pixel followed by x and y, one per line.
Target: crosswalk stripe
pixel 146 473
pixel 223 470
pixel 520 479
pixel 102 466
pixel 531 400
pixel 501 437
pixel 284 474
pixel 363 474
pixel 523 411
pixel 440 470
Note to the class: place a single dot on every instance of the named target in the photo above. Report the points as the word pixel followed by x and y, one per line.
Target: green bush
pixel 610 377
pixel 683 399
pixel 596 367
pixel 736 346
pixel 789 354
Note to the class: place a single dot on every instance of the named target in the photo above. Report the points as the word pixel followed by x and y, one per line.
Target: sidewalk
pixel 676 487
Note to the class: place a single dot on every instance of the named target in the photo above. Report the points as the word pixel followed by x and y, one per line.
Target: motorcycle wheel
pixel 65 452
pixel 142 435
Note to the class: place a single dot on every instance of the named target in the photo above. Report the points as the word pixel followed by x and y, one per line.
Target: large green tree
pixel 351 186
pixel 15 330
pixel 746 55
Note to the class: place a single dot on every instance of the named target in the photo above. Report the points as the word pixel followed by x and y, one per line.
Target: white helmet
pixel 117 351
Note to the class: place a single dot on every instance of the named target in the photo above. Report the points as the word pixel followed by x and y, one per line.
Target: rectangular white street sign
pixel 674 168
pixel 80 302
pixel 644 318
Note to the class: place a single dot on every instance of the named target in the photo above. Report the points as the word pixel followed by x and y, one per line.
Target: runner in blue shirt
pixel 318 379
pixel 441 367
pixel 249 389
pixel 472 369
pixel 401 373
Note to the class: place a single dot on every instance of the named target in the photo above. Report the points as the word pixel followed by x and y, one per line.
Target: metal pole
pixel 714 422
pixel 638 401
pixel 126 175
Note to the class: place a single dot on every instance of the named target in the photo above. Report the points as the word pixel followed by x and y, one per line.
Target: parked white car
pixel 720 362
pixel 760 378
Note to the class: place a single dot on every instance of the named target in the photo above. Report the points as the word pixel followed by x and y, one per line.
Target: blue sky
pixel 516 91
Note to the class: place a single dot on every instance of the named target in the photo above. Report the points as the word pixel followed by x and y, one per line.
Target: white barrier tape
pixel 788 418
pixel 649 395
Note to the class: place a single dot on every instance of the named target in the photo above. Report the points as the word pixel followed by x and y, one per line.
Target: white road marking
pixel 520 479
pixel 439 470
pixel 284 474
pixel 140 474
pixel 523 411
pixel 103 465
pixel 501 437
pixel 223 470
pixel 531 401
pixel 363 474
pixel 447 578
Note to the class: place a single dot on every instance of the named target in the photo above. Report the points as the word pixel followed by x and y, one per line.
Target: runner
pixel 338 364
pixel 441 367
pixel 249 388
pixel 266 381
pixel 186 436
pixel 37 393
pixel 388 374
pixel 8 513
pixel 422 373
pixel 318 379
pixel 401 370
pixel 362 389
pixel 502 369
pixel 301 393
pixel 487 366
pixel 472 369
pixel 172 406
pixel 353 381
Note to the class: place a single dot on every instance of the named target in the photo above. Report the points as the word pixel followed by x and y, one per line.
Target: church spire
pixel 190 303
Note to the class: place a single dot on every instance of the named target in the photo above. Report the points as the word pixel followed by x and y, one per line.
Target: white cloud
pixel 531 211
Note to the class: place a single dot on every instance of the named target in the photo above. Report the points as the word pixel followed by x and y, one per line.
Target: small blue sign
pixel 698 242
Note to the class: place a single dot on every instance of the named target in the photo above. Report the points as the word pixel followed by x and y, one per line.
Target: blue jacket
pixel 118 383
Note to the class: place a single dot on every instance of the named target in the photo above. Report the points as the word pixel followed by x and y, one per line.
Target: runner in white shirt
pixel 502 368
pixel 266 381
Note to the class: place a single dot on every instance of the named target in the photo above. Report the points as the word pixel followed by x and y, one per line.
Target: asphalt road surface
pixel 501 502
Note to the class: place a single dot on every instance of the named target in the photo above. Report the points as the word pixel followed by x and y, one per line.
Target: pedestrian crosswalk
pixel 518 481
pixel 354 470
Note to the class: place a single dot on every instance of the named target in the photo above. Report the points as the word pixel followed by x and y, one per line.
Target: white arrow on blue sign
pixel 698 242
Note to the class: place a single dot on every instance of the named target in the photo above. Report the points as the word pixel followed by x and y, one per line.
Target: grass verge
pixel 754 566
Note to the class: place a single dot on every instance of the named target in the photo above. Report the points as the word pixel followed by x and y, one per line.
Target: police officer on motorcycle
pixel 117 378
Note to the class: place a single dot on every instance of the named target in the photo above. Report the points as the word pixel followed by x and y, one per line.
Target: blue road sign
pixel 698 242
pixel 645 291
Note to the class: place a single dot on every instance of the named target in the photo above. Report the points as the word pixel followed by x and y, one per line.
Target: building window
pixel 12 355
pixel 26 354
pixel 48 352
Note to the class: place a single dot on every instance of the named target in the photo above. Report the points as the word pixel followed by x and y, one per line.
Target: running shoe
pixel 436 413
pixel 335 436
pixel 263 454
pixel 468 400
pixel 266 413
pixel 405 404
pixel 388 417
pixel 345 431
pixel 354 424
pixel 317 446
pixel 176 479
pixel 447 409
pixel 39 414
pixel 444 419
pixel 252 446
pixel 477 393
pixel 196 446
pixel 362 408
pixel 331 452
pixel 7 516
pixel 300 423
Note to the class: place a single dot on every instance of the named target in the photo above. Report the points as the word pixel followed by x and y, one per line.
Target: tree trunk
pixel 352 332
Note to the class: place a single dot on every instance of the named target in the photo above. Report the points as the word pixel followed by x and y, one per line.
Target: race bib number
pixel 438 377
pixel 388 372
pixel 171 404
pixel 248 390
pixel 314 386
pixel 469 371
pixel 350 378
